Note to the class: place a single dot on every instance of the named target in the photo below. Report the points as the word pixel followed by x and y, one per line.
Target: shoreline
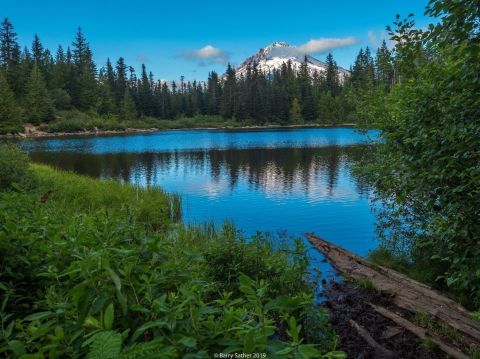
pixel 34 133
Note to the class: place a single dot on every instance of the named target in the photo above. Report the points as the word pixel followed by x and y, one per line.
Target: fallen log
pixel 419 331
pixel 380 351
pixel 406 293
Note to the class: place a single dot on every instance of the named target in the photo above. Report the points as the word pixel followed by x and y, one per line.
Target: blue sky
pixel 191 38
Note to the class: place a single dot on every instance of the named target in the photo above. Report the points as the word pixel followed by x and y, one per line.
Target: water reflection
pixel 317 172
pixel 271 180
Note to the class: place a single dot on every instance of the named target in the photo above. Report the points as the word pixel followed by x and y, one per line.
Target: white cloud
pixel 375 39
pixel 320 46
pixel 314 46
pixel 206 55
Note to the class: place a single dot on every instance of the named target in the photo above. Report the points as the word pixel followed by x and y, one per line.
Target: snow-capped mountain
pixel 273 56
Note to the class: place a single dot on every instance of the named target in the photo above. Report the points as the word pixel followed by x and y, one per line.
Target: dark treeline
pixel 38 86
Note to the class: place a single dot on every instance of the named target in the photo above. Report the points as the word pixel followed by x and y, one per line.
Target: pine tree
pixel 296 112
pixel 229 93
pixel 127 107
pixel 363 72
pixel 369 69
pixel 8 44
pixel 37 51
pixel 280 106
pixel 121 80
pixel 358 69
pixel 213 94
pixel 38 103
pixel 85 84
pixel 332 80
pixel 106 102
pixel 60 73
pixel 384 66
pixel 145 99
pixel 110 74
pixel 166 102
pixel 309 108
pixel 10 57
pixel 9 111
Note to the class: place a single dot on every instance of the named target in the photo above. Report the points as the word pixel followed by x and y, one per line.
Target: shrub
pixel 10 128
pixel 86 274
pixel 65 126
pixel 15 169
pixel 109 123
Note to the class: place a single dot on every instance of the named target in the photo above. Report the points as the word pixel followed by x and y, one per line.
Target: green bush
pixel 10 128
pixel 14 169
pixel 68 126
pixel 97 268
pixel 234 255
pixel 110 123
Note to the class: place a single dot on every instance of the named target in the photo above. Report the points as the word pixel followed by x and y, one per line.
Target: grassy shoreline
pixel 85 126
pixel 90 265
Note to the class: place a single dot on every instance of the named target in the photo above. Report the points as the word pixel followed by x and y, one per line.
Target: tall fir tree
pixel 121 80
pixel 384 67
pixel 110 74
pixel 127 107
pixel 10 57
pixel 106 101
pixel 37 51
pixel 309 108
pixel 9 111
pixel 8 44
pixel 296 112
pixel 85 87
pixel 145 95
pixel 332 80
pixel 229 93
pixel 38 103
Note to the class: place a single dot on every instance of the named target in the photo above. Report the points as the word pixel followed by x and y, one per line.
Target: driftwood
pixel 380 351
pixel 419 331
pixel 405 292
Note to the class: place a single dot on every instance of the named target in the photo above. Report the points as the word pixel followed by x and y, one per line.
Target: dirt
pixel 347 301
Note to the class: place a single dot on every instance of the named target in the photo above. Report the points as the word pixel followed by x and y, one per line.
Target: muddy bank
pixel 347 302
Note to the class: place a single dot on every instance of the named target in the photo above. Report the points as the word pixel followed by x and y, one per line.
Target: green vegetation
pixel 426 170
pixel 104 270
pixel 75 121
pixel 16 172
pixel 443 330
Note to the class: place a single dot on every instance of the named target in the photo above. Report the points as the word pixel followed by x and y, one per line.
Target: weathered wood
pixel 419 331
pixel 380 351
pixel 406 293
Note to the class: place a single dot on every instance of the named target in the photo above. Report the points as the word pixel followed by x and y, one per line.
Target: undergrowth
pixel 100 269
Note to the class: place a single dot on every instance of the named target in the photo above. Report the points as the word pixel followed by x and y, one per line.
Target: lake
pixel 283 181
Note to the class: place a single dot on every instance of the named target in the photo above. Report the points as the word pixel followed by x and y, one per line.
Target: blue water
pixel 167 141
pixel 287 181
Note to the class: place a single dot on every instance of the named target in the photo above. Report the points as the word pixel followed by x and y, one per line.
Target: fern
pixel 105 345
pixel 149 350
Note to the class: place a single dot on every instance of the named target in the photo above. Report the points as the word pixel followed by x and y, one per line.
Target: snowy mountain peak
pixel 272 57
pixel 275 44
